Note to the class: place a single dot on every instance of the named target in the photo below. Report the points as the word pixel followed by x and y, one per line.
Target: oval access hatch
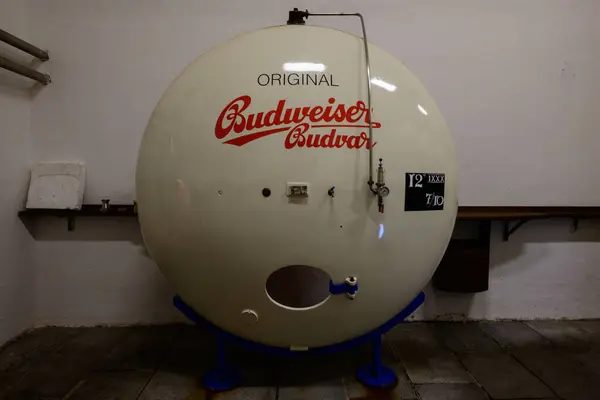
pixel 298 287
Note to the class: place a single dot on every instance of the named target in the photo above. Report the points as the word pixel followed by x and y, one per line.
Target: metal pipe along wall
pixel 24 71
pixel 23 45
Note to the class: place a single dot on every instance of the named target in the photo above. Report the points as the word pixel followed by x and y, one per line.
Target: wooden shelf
pixel 87 210
pixel 524 214
pixel 467 213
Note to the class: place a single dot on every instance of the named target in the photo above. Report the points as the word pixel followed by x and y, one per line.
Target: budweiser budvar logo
pixel 240 127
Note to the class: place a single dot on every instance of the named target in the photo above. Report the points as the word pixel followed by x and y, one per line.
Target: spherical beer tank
pixel 252 186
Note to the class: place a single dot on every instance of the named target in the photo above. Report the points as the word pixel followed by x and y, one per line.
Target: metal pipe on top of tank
pixel 297 17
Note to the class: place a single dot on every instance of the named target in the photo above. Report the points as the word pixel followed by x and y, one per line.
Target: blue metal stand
pixel 375 374
pixel 223 377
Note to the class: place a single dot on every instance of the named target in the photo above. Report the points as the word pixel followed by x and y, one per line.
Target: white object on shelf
pixel 57 185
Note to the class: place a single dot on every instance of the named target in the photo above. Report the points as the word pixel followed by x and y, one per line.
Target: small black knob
pixel 297 17
pixel 331 192
pixel 266 192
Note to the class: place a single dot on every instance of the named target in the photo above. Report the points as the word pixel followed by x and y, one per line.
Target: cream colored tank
pixel 257 158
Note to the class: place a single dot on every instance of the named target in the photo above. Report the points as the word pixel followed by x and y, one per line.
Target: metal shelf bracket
pixel 575 225
pixel 509 230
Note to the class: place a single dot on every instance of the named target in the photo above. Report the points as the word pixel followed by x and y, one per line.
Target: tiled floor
pixel 434 361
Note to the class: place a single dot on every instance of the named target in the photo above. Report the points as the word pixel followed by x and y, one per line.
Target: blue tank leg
pixel 223 377
pixel 376 374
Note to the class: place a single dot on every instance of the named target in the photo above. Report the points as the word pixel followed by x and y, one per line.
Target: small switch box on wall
pixel 56 185
pixel 297 189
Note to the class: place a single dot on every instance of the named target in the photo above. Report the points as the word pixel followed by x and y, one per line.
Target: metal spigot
pixel 382 190
pixel 352 283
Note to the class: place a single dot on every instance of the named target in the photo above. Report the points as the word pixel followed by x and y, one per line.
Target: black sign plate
pixel 424 191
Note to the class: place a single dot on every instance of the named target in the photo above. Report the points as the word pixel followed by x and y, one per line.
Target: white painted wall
pixel 98 274
pixel 16 245
pixel 516 79
pixel 543 271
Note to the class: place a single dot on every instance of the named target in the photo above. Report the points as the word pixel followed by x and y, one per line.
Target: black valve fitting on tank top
pixel 297 17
